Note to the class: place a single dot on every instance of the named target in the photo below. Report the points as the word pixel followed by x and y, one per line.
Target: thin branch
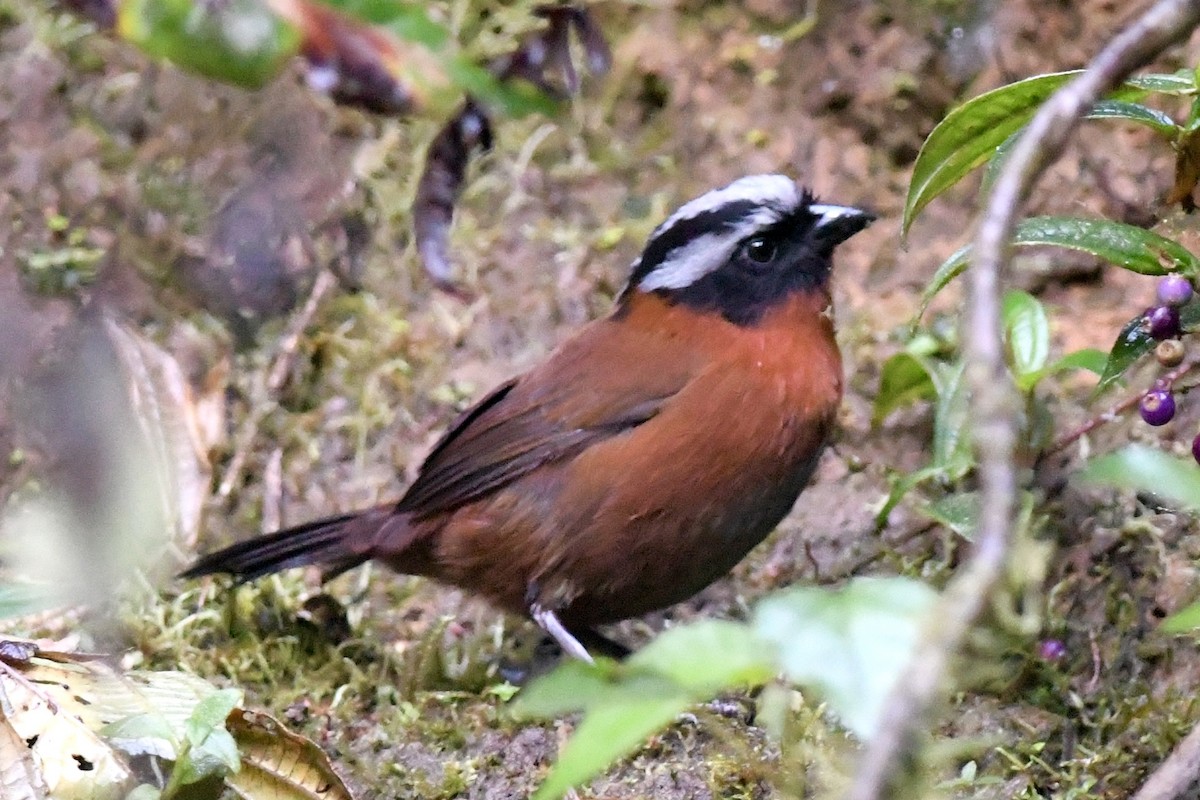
pixel 1167 381
pixel 1178 774
pixel 994 406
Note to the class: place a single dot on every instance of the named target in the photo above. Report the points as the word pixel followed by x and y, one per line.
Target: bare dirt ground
pixel 162 172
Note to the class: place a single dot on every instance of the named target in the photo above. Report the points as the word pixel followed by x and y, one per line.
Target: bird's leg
pixel 550 623
pixel 597 642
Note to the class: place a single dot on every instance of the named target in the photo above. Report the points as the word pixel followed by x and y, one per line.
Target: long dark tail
pixel 336 543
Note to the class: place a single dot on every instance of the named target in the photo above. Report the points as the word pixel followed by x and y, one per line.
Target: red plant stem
pixel 1165 382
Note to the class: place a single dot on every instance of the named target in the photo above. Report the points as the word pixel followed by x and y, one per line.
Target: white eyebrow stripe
pixel 707 253
pixel 774 190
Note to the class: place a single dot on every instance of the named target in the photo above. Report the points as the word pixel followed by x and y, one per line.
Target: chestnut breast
pixel 637 521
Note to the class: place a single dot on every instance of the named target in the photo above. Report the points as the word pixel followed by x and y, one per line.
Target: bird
pixel 647 454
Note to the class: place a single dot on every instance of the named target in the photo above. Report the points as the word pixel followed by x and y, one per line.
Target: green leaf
pixel 951 444
pixel 900 484
pixel 732 656
pixel 958 512
pixel 1179 83
pixel 211 712
pixel 970 134
pixel 1128 246
pixel 996 162
pixel 236 41
pixel 1089 358
pixel 516 98
pixel 1136 112
pixel 904 380
pixel 19 599
pixel 1132 343
pixel 409 21
pixel 570 687
pixel 1185 620
pixel 1142 468
pixel 625 703
pixel 1027 334
pixel 216 756
pixel 609 732
pixel 850 644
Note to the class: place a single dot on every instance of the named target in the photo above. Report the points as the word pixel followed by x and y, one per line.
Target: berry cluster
pixel 1162 323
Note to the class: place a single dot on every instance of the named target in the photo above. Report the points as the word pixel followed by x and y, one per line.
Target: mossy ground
pixel 138 157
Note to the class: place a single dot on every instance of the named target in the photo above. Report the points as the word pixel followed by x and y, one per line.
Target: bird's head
pixel 740 250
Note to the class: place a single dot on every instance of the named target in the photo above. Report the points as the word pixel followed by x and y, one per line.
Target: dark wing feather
pixel 467 467
pixel 553 413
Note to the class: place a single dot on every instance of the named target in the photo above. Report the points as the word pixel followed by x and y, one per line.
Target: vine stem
pixel 1167 381
pixel 894 753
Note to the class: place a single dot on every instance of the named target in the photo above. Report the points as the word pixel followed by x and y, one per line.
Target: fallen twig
pixel 994 408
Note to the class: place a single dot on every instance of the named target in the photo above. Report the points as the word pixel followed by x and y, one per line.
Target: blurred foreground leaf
pixel 851 644
pixel 848 644
pixel 1145 469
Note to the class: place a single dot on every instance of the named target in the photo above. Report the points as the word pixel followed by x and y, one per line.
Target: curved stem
pixel 994 407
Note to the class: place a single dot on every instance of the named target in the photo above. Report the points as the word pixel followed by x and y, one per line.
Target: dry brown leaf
pixel 173 424
pixel 279 764
pixel 20 778
pixel 65 759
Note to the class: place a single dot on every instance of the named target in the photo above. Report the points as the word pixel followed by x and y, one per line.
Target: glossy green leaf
pixel 1146 469
pixel 1026 334
pixel 970 134
pixel 904 381
pixel 1151 118
pixel 849 644
pixel 1128 246
pixel 1132 343
pixel 1178 83
pixel 237 41
pixel 996 162
pixel 1185 620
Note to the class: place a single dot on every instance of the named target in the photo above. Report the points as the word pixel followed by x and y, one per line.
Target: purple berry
pixel 1162 322
pixel 1051 649
pixel 1158 407
pixel 1174 290
pixel 1196 448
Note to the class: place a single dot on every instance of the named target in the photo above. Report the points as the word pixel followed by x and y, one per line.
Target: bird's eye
pixel 760 251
